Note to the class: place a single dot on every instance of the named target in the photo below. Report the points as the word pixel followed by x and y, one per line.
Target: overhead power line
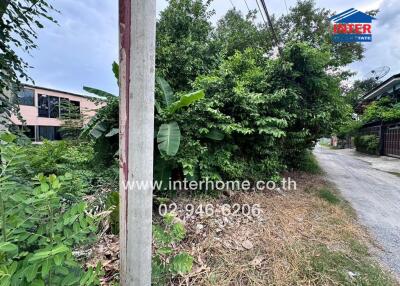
pixel 248 9
pixel 287 10
pixel 271 25
pixel 261 13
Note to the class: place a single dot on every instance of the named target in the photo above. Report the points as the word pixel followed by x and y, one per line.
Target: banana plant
pixel 169 134
pixel 104 125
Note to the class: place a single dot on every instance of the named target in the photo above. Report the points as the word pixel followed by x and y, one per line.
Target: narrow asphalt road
pixel 375 196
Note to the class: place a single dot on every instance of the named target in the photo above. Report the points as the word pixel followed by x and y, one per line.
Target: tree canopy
pixel 19 21
pixel 183 46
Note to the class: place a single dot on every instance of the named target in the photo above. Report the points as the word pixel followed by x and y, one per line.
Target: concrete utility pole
pixel 137 68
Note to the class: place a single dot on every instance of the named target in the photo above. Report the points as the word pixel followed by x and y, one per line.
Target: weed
pixel 349 269
pixel 395 173
pixel 309 164
pixel 328 196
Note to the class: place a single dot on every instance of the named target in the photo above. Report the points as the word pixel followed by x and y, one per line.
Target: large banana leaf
pixel 98 92
pixel 168 94
pixel 112 132
pixel 98 130
pixel 169 138
pixel 115 69
pixel 186 100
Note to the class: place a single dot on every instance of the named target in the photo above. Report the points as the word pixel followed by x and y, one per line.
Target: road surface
pixel 375 196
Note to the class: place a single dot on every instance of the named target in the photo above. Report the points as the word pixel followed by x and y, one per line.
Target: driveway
pixel 373 193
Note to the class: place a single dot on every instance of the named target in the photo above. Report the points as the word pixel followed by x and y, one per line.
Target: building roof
pixel 375 92
pixel 62 91
pixel 352 16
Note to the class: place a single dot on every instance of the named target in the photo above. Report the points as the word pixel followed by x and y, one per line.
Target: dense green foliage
pixel 249 98
pixel 309 163
pixel 283 104
pixel 39 230
pixel 237 33
pixel 184 49
pixel 349 128
pixel 382 110
pixel 228 107
pixel 103 127
pixel 307 23
pixel 358 89
pixel 75 163
pixel 385 110
pixel 19 21
pixel 166 264
pixel 259 115
pixel 367 144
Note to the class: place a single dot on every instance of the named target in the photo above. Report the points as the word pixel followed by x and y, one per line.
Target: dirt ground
pixel 301 237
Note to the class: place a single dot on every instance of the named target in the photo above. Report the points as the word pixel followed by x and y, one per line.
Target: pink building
pixel 44 109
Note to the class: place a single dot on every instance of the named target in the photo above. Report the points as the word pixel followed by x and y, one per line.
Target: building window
pixel 69 109
pixel 64 107
pixel 54 107
pixel 26 97
pixel 75 111
pixel 49 133
pixel 43 105
pixel 28 131
pixel 397 92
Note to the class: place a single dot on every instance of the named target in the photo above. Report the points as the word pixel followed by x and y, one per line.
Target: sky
pixel 79 50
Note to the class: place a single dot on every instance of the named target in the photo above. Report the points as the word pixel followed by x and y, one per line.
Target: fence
pixel 389 137
pixel 391 141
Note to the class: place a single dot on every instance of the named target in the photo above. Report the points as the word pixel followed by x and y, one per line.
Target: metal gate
pixel 392 141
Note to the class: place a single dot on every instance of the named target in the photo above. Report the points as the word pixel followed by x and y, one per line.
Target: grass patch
pixel 309 164
pixel 328 196
pixel 344 269
pixel 357 247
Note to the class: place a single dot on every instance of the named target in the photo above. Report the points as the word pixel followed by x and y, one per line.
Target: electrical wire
pixel 248 9
pixel 262 15
pixel 271 25
pixel 287 10
pixel 233 6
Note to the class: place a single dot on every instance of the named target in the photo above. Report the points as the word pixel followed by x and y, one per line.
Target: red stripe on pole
pixel 125 31
pixel 124 79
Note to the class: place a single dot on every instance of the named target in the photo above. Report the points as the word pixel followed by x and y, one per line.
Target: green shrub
pixel 112 203
pixel 258 117
pixel 367 144
pixel 38 230
pixel 309 163
pixel 71 161
pixel 59 157
pixel 349 128
pixel 386 109
pixel 166 262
